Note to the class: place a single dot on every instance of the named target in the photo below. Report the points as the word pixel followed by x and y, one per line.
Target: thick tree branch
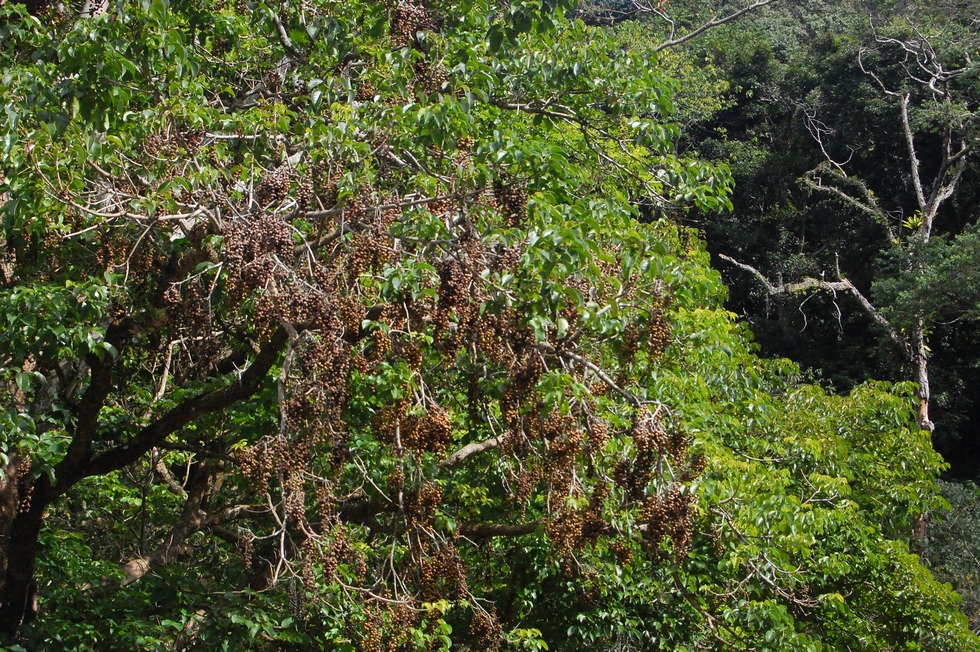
pixel 284 40
pixel 71 467
pixel 489 530
pixel 193 519
pixel 920 195
pixel 190 523
pixel 841 285
pixel 473 448
pixel 246 385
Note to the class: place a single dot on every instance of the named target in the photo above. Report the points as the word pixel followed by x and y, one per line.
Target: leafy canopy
pixel 336 324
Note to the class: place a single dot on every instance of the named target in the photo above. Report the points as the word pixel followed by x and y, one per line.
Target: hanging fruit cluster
pixel 408 19
pixel 469 357
pixel 511 198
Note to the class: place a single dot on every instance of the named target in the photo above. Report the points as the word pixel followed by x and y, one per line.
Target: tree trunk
pixel 920 362
pixel 20 542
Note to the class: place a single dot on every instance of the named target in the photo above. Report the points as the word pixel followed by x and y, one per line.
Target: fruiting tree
pixel 333 324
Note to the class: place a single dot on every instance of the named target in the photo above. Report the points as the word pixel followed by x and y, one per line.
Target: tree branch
pixel 489 530
pixel 841 285
pixel 867 204
pixel 714 22
pixel 594 368
pixel 913 158
pixel 473 448
pixel 71 467
pixel 246 385
pixel 284 40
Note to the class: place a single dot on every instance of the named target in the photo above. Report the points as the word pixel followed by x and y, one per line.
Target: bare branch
pixel 913 158
pixel 714 22
pixel 473 448
pixel 866 202
pixel 841 285
pixel 818 129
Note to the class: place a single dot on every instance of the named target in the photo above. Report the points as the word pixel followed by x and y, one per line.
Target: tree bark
pixel 920 362
pixel 18 589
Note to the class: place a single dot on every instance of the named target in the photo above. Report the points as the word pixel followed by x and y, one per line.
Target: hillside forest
pixel 408 325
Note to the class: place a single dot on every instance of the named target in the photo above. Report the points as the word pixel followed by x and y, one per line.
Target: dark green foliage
pixel 818 82
pixel 954 539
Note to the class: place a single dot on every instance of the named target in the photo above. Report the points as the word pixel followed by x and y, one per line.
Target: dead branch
pixel 714 22
pixel 841 285
pixel 865 200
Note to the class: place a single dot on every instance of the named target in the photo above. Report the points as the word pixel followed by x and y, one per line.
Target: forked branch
pixel 840 285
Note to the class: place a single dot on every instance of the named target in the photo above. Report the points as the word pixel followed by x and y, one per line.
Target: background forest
pixel 471 325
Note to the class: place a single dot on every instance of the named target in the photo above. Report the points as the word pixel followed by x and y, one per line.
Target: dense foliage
pixel 852 130
pixel 351 325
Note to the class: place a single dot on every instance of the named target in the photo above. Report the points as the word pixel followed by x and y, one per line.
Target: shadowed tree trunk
pixel 21 519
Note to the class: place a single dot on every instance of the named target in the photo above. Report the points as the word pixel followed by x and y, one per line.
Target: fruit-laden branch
pixel 840 285
pixel 594 368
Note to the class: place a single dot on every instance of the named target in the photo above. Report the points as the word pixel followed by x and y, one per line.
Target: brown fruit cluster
pixel 365 92
pixel 191 139
pixel 430 78
pixel 160 145
pixel 22 477
pixel 458 307
pixel 338 549
pixel 668 515
pixel 408 19
pixel 524 373
pixel 274 187
pixel 395 482
pixel 252 245
pixel 511 198
pixel 369 635
pixel 254 463
pixel 188 310
pixel 294 498
pixel 658 334
pixel 651 335
pixel 372 247
pixel 403 616
pixel 442 573
pixel 420 505
pixel 525 482
pixel 486 631
pixel 325 183
pixel 623 552
pixel 649 435
pixel 652 443
pixel 317 396
pixel 430 433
